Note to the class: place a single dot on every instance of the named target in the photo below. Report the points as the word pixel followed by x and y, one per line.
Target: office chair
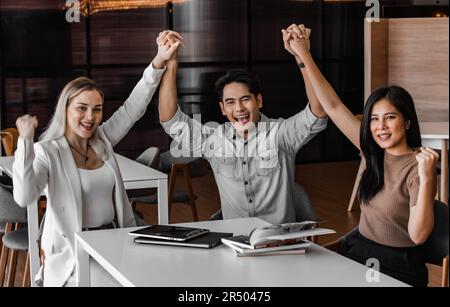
pixel 165 162
pixel 9 137
pixel 150 157
pixel 436 246
pixel 14 239
pixel 304 210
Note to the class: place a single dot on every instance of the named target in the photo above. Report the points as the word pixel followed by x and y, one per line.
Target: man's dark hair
pixel 240 76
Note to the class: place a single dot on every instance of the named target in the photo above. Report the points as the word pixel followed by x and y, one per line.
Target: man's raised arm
pixel 167 105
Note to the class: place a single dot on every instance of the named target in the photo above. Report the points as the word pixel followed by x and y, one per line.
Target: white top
pixel 97 187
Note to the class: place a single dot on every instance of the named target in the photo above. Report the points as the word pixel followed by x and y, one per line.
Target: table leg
pixel 444 171
pixel 163 208
pixel 33 246
pixel 82 264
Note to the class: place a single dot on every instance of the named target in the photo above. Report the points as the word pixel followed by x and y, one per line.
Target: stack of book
pixel 178 236
pixel 241 245
pixel 282 239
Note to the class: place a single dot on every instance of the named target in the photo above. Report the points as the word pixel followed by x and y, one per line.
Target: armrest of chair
pixel 5 133
pixel 7 141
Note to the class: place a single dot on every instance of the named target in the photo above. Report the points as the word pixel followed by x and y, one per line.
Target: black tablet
pixel 166 232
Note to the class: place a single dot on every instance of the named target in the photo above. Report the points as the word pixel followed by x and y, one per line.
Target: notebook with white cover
pixel 297 245
pixel 240 241
pixel 299 251
pixel 271 233
pixel 303 233
pixel 274 235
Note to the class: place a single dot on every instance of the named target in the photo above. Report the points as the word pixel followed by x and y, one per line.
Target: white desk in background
pixel 135 176
pixel 134 264
pixel 435 135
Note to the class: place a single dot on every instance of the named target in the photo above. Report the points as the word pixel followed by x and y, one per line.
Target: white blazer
pixel 51 166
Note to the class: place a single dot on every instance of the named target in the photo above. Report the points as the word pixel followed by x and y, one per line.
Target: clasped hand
pixel 168 43
pixel 296 40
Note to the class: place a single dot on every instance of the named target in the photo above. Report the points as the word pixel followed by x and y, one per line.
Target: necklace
pixel 85 157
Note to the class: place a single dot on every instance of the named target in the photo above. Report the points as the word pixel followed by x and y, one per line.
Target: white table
pixel 134 264
pixel 435 135
pixel 135 176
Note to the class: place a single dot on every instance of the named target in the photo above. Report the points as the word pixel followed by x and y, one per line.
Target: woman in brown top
pixel 398 185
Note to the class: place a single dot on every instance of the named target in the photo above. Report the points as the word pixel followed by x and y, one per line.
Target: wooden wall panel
pixel 416 59
pixel 375 55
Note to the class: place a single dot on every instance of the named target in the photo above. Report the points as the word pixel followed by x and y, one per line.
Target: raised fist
pixel 26 125
pixel 427 159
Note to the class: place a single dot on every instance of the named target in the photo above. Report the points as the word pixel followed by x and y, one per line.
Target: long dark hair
pixel 372 180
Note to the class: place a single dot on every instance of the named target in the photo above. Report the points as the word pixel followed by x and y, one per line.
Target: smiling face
pixel 240 106
pixel 388 128
pixel 83 115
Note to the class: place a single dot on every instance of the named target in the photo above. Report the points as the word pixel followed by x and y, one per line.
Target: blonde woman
pixel 74 164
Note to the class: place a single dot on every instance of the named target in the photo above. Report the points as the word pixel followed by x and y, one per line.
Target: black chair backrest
pixel 6 182
pixel 436 246
pixel 150 157
pixel 198 166
pixel 304 210
pixel 216 216
pixel 10 211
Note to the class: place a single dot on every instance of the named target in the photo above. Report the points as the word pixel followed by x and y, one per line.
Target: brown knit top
pixel 384 219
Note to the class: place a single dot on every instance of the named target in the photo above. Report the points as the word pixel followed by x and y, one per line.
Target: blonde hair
pixel 57 125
